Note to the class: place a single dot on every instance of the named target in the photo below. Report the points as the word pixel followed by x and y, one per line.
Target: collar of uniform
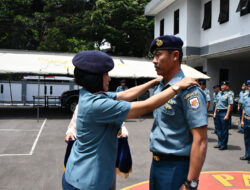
pixel 180 75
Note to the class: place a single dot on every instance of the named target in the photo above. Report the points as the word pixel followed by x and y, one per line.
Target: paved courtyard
pixel 32 152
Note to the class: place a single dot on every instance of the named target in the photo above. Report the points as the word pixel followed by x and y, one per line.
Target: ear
pixel 176 55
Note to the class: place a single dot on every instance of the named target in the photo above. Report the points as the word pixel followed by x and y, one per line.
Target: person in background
pixel 221 115
pixel 178 139
pixel 231 93
pixel 122 87
pixel 243 94
pixel 202 84
pixel 245 123
pixel 216 90
pixel 91 164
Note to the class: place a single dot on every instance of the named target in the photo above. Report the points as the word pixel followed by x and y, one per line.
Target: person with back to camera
pixel 178 138
pixel 91 164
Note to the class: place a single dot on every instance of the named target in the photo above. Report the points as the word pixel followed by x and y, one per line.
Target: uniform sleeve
pixel 112 95
pixel 72 124
pixel 107 110
pixel 208 96
pixel 194 107
pixel 230 99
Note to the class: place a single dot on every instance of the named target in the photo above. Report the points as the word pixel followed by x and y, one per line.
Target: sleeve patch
pixel 190 94
pixel 194 103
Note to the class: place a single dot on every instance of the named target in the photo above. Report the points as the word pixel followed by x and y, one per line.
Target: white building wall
pixel 168 16
pixel 193 20
pixel 237 25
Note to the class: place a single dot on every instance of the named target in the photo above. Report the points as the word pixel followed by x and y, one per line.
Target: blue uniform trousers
pixel 222 129
pixel 66 185
pixel 168 175
pixel 247 137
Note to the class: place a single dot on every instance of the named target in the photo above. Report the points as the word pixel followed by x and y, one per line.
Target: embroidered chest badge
pixel 194 103
pixel 168 106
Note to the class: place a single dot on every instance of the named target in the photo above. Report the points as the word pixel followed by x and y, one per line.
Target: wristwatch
pixel 191 184
pixel 176 88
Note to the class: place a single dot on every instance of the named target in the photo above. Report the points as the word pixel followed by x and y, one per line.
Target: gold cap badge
pixel 159 43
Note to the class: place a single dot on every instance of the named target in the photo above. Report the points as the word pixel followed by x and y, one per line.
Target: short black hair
pixel 180 53
pixel 91 81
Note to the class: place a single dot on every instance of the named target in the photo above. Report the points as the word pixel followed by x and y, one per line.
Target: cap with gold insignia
pixel 167 42
pixel 225 83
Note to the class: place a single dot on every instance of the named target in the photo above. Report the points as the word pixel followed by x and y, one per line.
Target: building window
pixel 207 15
pixel 1 88
pixel 223 75
pixel 176 21
pixel 243 7
pixel 224 11
pixel 162 27
pixel 51 90
pixel 45 90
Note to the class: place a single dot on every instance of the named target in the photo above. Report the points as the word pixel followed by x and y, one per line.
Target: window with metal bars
pixel 162 27
pixel 224 11
pixel 243 7
pixel 207 15
pixel 176 21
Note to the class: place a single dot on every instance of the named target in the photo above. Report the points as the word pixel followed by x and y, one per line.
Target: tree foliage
pixel 75 25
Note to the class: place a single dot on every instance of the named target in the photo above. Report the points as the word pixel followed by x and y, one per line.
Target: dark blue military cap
pixel 123 81
pixel 248 82
pixel 93 61
pixel 202 82
pixel 225 83
pixel 167 42
pixel 216 86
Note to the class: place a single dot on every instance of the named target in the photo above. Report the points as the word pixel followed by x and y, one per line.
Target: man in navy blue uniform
pixel 245 122
pixel 242 96
pixel 222 115
pixel 178 139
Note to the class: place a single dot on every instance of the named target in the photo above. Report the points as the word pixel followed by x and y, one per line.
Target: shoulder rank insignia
pixel 194 103
pixel 159 43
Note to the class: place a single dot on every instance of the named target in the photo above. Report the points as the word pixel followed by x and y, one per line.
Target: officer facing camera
pixel 178 139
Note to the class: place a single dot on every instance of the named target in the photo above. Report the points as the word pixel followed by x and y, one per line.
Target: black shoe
pixel 213 132
pixel 223 148
pixel 248 162
pixel 244 158
pixel 217 146
pixel 240 132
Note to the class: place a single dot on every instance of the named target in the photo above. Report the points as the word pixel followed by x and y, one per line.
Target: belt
pixel 224 110
pixel 169 157
pixel 247 117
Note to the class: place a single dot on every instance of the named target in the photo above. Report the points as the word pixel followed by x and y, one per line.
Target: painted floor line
pixel 19 130
pixel 2 155
pixel 33 146
pixel 35 142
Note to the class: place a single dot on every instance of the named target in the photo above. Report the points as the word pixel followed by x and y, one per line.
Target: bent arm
pixel 242 118
pixel 71 131
pixel 198 152
pixel 133 93
pixel 142 107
